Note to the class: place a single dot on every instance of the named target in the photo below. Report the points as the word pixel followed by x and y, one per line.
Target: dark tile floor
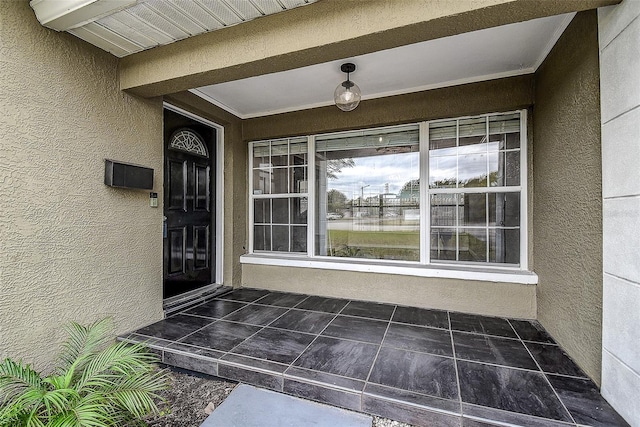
pixel 419 366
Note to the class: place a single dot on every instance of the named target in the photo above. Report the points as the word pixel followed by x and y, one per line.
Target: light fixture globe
pixel 347 95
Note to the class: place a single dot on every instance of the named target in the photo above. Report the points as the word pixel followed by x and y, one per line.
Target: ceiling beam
pixel 324 31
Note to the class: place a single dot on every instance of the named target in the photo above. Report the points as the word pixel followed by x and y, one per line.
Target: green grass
pixel 395 245
pixel 391 239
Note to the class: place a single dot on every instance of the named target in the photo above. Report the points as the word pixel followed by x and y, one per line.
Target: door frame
pixel 218 216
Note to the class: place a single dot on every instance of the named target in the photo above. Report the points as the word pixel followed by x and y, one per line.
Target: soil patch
pixel 187 397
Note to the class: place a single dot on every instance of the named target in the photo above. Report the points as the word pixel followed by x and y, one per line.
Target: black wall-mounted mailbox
pixel 125 175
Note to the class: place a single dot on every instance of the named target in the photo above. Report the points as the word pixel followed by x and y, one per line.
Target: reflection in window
pixel 368 195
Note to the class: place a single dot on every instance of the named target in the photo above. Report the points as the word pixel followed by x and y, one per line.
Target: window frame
pixel 522 189
pixel 425 266
pixel 357 132
pixel 271 196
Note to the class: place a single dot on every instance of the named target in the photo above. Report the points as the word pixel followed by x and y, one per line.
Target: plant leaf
pixel 15 378
pixel 84 341
pixel 120 358
pixel 97 384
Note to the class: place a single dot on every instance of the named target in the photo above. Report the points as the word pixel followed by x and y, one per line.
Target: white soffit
pixel 504 51
pixel 124 27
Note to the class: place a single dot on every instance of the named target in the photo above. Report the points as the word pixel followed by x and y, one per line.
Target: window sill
pixel 483 274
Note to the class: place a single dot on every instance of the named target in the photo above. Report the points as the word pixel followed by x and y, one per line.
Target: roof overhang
pixel 289 61
pixel 329 30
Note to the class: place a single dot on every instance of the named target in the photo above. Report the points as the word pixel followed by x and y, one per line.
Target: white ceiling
pixel 504 51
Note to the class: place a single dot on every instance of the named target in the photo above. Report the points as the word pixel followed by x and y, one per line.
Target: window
pixel 441 192
pixel 474 189
pixel 279 195
pixel 367 194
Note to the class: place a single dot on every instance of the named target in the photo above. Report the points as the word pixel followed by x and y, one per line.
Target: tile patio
pixel 419 366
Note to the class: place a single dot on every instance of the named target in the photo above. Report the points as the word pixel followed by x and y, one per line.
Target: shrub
pixel 98 382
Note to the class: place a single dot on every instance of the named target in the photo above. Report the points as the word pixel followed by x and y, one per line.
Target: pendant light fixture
pixel 347 94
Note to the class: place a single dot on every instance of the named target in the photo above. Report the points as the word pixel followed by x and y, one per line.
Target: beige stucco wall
pixel 71 248
pixel 567 205
pixel 469 296
pixel 499 299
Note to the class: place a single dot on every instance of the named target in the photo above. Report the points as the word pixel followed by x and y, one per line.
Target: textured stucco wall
pixel 567 205
pixel 619 38
pixel 475 98
pixel 71 248
pixel 469 296
pixel 503 299
pixel 235 179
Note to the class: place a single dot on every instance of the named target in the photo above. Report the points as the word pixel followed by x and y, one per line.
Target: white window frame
pixel 425 255
pixel 287 195
pixel 424 267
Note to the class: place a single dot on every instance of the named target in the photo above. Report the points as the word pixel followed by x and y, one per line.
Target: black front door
pixel 188 205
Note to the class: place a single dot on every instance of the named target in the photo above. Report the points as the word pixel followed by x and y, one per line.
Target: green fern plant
pixel 97 383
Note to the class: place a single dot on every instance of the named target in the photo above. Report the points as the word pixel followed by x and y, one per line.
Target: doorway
pixel 189 235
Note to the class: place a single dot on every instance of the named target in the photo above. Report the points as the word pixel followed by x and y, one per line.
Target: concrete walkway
pixel 248 406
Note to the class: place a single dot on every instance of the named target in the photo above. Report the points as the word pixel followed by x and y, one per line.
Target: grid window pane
pixel 444 210
pixel 473 144
pixel 280 153
pixel 472 130
pixel 262 211
pixel 299 158
pixel 474 209
pixel 262 181
pixel 298 209
pixel 472 244
pixel 496 169
pixel 298 180
pixel 512 168
pixel 504 245
pixel 507 129
pixel 261 155
pixel 443 244
pixel 512 246
pixel 280 212
pixel 280 238
pixel 443 172
pixel 262 238
pixel 298 238
pixel 504 209
pixel 512 140
pixel 506 141
pixel 472 170
pixel 279 181
pixel 504 168
pixel 442 135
